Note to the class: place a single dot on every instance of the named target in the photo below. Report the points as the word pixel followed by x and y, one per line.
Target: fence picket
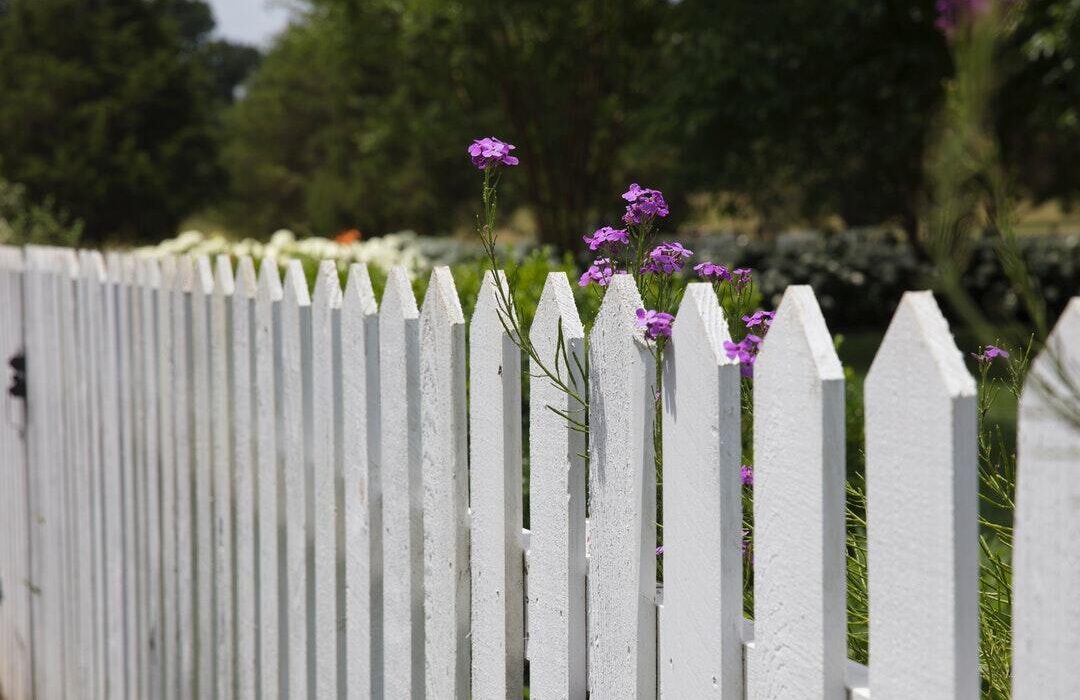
pixel 296 410
pixel 15 629
pixel 184 432
pixel 497 559
pixel 556 500
pixel 325 349
pixel 800 594
pixel 700 637
pixel 622 501
pixel 922 509
pixel 1046 561
pixel 403 595
pixel 243 419
pixel 272 680
pixel 151 493
pixel 445 469
pixel 362 502
pixel 168 301
pixel 202 292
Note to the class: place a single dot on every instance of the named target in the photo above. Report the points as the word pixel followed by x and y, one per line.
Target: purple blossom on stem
pixel 989 353
pixel 759 318
pixel 712 271
pixel 607 235
pixel 601 272
pixel 666 259
pixel 644 204
pixel 656 323
pixel 745 351
pixel 746 474
pixel 489 152
pixel 660 551
pixel 742 276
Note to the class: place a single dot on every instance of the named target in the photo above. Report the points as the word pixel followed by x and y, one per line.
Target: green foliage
pixel 107 107
pixel 23 222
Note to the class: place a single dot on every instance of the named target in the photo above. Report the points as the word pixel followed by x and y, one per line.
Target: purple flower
pixel 760 318
pixel 711 271
pixel 607 235
pixel 666 258
pixel 745 351
pixel 489 152
pixel 746 473
pixel 989 353
pixel 952 12
pixel 660 551
pixel 742 277
pixel 655 323
pixel 644 204
pixel 601 272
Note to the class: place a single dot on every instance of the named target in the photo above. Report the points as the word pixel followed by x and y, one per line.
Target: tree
pixel 106 107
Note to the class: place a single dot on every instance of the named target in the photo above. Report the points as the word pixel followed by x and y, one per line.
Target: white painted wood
pixel 700 641
pixel 362 502
pixel 1046 561
pixel 445 466
pixel 221 354
pixel 151 494
pixel 206 667
pixel 15 631
pixel 296 410
pixel 856 676
pixel 184 436
pixel 169 302
pixel 622 501
pixel 403 595
pixel 497 562
pixel 800 592
pixel 325 344
pixel 112 489
pixel 243 420
pixel 269 431
pixel 557 503
pixel 922 509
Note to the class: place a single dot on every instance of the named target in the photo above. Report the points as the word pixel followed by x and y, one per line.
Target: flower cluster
pixel 601 272
pixel 666 258
pixel 657 324
pixel 745 351
pixel 746 474
pixel 989 353
pixel 712 271
pixel 607 236
pixel 490 152
pixel 644 205
pixel 760 320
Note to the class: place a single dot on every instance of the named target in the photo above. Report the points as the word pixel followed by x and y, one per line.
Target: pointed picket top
pixel 701 320
pixel 327 292
pixel 94 266
pixel 556 305
pixel 269 280
pixel 151 273
pixel 919 328
pixel 247 284
pixel 113 267
pixel 489 309
pixel 68 262
pixel 622 496
pixel 1046 559
pixel 203 280
pixel 445 474
pixel 441 303
pixel 398 298
pixel 800 623
pixel 556 619
pixel 294 286
pixel 185 273
pixel 922 486
pixel 799 321
pixel 700 639
pixel 166 266
pixel 359 292
pixel 224 282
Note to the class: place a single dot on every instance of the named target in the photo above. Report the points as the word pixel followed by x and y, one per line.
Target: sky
pixel 250 21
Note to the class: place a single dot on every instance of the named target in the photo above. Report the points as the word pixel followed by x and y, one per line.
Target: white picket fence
pixel 220 487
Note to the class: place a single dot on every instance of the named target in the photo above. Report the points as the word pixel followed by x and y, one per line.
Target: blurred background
pixel 863 146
